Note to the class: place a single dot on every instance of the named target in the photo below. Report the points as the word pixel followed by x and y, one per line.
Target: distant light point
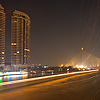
pixel 62 65
pixel 82 49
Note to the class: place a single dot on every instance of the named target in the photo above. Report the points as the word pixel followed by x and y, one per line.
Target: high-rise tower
pixel 20 38
pixel 2 36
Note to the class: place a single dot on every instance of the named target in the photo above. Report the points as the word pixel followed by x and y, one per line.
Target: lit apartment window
pixel 2 57
pixel 17 51
pixel 15 21
pixel 3 53
pixel 14 53
pixel 25 56
pixel 13 43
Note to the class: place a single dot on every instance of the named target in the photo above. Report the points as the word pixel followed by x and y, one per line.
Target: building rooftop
pixel 21 13
pixel 1 6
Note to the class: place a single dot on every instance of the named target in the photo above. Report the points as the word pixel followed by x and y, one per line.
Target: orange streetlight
pixel 62 65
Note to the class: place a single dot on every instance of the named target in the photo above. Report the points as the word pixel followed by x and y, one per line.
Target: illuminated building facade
pixel 2 36
pixel 20 38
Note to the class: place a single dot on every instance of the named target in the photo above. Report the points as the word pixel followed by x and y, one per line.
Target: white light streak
pixel 38 78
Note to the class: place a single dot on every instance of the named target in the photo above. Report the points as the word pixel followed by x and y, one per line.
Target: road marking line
pixel 95 95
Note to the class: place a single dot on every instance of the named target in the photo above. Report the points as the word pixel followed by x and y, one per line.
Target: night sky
pixel 59 28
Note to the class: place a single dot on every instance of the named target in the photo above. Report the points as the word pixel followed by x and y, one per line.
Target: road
pixel 79 87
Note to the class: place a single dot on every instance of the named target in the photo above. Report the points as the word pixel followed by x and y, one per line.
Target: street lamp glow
pixel 82 49
pixel 62 65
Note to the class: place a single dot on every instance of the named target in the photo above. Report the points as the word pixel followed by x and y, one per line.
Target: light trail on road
pixel 83 86
pixel 45 77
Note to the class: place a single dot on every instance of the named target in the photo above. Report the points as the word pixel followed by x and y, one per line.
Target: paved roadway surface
pixel 78 87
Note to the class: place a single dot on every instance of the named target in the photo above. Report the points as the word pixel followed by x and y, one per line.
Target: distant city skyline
pixel 59 28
